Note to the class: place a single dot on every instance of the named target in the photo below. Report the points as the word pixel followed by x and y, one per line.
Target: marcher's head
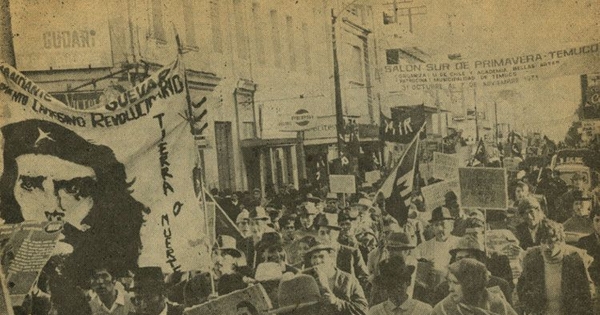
pixel 442 222
pixel 287 224
pixel 308 212
pixel 399 244
pixel 327 227
pixel 256 193
pixel 395 276
pixel 467 280
pixel 259 221
pixel 225 256
pixel 149 291
pixel 102 282
pixel 552 238
pixel 367 239
pixel 582 203
pixel 51 173
pixel 531 211
pixel 521 190
pixel 243 223
pixel 346 223
pixel 467 247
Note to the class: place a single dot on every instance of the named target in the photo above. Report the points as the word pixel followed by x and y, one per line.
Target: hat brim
pixel 290 308
pixel 441 219
pixel 150 286
pixel 318 248
pixel 398 246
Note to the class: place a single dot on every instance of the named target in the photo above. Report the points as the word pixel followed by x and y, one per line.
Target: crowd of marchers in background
pixel 317 253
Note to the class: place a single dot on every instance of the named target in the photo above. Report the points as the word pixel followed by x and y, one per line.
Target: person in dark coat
pixel 149 294
pixel 591 244
pixel 555 278
pixel 527 232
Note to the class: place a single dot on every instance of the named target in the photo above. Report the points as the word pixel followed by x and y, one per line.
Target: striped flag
pixel 398 186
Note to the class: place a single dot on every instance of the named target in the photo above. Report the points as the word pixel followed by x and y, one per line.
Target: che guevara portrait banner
pixel 118 175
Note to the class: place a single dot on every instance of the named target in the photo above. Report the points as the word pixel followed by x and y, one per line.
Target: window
pixel 306 39
pixel 158 30
pixel 215 26
pixel 188 20
pixel 357 65
pixel 289 25
pixel 392 56
pixel 258 31
pixel 276 38
pixel 240 29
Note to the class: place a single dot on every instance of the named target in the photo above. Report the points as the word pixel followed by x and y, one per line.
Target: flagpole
pixel 198 157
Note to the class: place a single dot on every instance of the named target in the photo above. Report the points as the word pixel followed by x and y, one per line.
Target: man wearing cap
pixel 332 203
pixel 349 259
pixel 579 222
pixel 149 293
pixel 531 213
pixel 347 236
pixel 397 244
pixel 340 291
pixel 243 223
pixel 396 277
pixel 437 249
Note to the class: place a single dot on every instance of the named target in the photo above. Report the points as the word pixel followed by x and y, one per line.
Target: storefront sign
pixel 590 85
pixel 68 34
pixel 483 187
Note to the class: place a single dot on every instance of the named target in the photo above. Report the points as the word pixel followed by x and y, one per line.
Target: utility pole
pixel 496 122
pixel 339 109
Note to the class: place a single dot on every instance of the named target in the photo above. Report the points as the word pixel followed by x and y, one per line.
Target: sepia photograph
pixel 307 157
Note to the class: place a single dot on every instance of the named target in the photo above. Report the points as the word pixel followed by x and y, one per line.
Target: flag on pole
pixel 398 186
pixel 480 153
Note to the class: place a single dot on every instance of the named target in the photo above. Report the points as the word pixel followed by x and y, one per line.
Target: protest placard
pixel 483 187
pixel 342 184
pixel 445 166
pixel 434 194
pixel 252 300
pixel 26 248
pixel 372 176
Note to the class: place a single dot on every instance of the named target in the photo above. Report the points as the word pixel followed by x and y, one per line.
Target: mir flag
pixel 398 186
pixel 119 176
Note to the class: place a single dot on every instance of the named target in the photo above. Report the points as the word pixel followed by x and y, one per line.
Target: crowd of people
pixel 317 253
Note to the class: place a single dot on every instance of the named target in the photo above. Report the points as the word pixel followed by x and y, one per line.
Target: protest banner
pixel 434 194
pixel 252 300
pixel 129 160
pixel 342 184
pixel 25 249
pixel 483 187
pixel 445 166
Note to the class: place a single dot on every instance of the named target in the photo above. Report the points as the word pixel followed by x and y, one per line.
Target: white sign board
pixel 445 166
pixel 288 117
pixel 66 34
pixel 372 176
pixel 434 194
pixel 342 184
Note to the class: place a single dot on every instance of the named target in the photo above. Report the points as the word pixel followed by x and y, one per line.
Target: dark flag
pixel 480 153
pixel 404 124
pixel 398 186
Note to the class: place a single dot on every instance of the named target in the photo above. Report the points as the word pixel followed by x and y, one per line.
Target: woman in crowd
pixel 468 279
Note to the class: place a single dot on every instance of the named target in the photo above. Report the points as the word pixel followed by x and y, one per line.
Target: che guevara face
pixel 50 189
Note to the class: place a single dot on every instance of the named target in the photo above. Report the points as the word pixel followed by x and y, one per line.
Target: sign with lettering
pixel 590 85
pixel 445 166
pixel 491 71
pixel 74 34
pixel 483 187
pixel 342 184
pixel 121 172
pixel 434 194
pixel 252 300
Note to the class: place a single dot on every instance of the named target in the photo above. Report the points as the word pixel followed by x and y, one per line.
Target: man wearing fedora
pixel 396 277
pixel 149 293
pixel 348 259
pixel 437 249
pixel 341 293
pixel 397 244
pixel 306 217
pixel 259 220
pixel 299 295
pixel 227 263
